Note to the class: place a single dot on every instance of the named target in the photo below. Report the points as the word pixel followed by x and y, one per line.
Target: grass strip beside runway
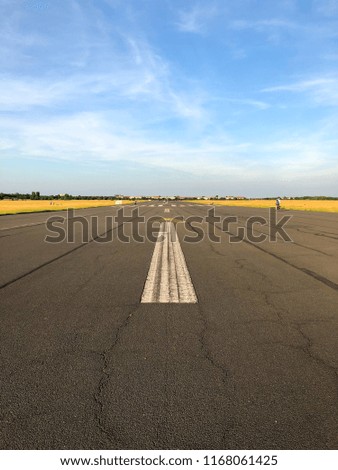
pixel 316 205
pixel 27 206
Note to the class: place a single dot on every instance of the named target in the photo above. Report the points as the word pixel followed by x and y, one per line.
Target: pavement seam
pixel 45 212
pixel 306 271
pixel 12 281
pixel 293 242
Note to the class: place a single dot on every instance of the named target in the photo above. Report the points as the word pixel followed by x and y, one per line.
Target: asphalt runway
pixel 245 359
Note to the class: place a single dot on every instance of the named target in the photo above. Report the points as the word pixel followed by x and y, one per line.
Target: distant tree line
pixel 35 195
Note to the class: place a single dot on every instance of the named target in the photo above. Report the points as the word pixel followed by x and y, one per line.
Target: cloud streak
pixel 323 90
pixel 94 138
pixel 196 19
pixel 142 78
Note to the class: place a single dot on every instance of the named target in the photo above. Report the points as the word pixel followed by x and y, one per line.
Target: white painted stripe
pixel 173 281
pixel 160 205
pixel 153 273
pixel 166 210
pixel 168 279
pixel 164 284
pixel 186 288
pixel 173 205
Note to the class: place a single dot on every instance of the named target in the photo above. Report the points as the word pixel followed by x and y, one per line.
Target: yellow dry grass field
pixel 16 207
pixel 297 205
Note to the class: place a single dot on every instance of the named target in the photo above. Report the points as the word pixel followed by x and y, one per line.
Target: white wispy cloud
pixel 323 90
pixel 279 29
pixel 263 24
pixel 18 94
pixel 94 137
pixel 303 85
pixel 142 77
pixel 258 104
pixel 195 20
pixel 326 7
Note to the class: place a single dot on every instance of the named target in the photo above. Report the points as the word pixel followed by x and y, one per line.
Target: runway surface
pixel 234 346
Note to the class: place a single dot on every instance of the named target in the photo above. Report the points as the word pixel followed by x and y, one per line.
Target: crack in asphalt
pixel 106 374
pixel 276 312
pixel 307 348
pixel 93 274
pixel 240 262
pixel 224 372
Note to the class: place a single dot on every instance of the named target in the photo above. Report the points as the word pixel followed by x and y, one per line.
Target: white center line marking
pixel 168 279
pixel 166 210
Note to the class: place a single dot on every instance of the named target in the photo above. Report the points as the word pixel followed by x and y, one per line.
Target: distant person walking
pixel 278 203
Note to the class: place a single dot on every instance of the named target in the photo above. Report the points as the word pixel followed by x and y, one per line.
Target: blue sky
pixel 169 97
